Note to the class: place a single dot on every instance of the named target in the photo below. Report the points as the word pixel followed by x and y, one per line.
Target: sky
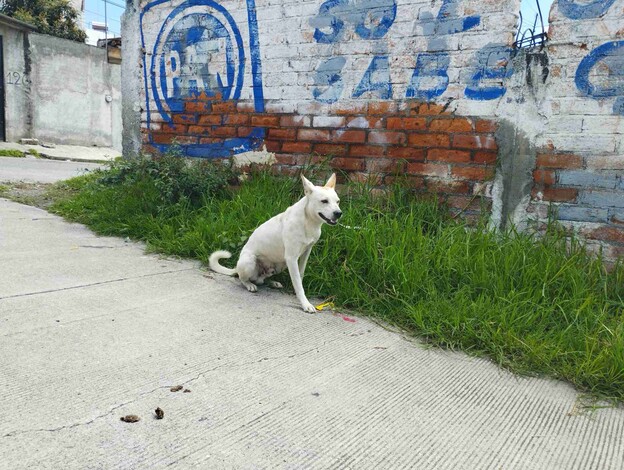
pixel 94 11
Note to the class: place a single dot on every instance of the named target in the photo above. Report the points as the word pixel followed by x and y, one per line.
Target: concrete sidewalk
pixel 93 329
pixel 74 153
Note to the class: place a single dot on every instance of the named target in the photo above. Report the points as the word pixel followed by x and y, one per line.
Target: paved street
pixel 93 329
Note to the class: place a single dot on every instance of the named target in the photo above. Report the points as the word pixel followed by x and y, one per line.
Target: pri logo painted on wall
pixel 201 50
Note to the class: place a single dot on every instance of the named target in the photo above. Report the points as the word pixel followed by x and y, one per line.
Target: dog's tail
pixel 213 261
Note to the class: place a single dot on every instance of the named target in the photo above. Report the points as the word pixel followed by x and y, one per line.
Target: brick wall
pixel 431 91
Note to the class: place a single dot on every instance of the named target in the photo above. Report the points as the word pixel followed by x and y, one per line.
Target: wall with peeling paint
pixel 433 90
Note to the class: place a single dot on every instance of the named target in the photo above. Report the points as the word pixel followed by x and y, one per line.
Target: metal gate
pixel 2 119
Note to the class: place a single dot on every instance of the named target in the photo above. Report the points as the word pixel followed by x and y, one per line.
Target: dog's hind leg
pixel 247 270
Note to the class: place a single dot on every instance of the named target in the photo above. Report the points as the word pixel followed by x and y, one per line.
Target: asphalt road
pixel 39 170
pixel 93 329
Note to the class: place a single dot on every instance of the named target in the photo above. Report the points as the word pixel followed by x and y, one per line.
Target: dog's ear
pixel 331 182
pixel 307 186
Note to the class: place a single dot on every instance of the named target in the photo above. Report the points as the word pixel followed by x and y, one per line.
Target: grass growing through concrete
pixel 532 304
pixel 12 153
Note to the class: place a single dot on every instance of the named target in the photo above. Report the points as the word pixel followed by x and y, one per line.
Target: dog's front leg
pixel 303 261
pixel 295 277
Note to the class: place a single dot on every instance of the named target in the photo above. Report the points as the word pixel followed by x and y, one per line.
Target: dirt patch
pixel 41 195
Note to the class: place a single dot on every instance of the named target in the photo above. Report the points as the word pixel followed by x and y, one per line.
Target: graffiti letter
pixel 430 78
pixel 328 80
pixel 611 55
pixel 493 67
pixel 376 79
pixel 582 11
pixel 378 17
pixel 326 19
pixel 172 72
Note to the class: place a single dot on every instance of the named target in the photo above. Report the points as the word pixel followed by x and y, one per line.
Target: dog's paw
pixel 251 287
pixel 276 285
pixel 308 307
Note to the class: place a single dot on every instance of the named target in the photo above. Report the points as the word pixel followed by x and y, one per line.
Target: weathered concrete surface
pixel 34 170
pixel 93 329
pixel 74 153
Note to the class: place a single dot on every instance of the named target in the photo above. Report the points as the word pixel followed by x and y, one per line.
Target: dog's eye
pixel 325 201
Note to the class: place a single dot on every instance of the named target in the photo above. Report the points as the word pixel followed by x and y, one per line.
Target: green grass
pixel 12 153
pixel 529 303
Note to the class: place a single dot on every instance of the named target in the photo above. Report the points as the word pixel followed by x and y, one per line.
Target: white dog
pixel 285 241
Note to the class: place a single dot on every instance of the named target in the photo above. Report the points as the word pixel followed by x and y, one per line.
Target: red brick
pixel 172 138
pixel 430 109
pixel 475 173
pixel 451 125
pixel 347 163
pixel 285 159
pixel 414 182
pixel 366 151
pixel 445 155
pixel 330 149
pixel 294 121
pixel 381 137
pixel 174 128
pixel 236 119
pixel 197 106
pixel 349 136
pixel 411 124
pixel 428 169
pixel 407 153
pixel 210 120
pixel 184 118
pixel 384 165
pixel 313 134
pixel 244 131
pixel 485 157
pixel 365 122
pixel 382 108
pixel 283 134
pixel 557 194
pixel 448 187
pixel 265 121
pixel 199 130
pixel 297 147
pixel 210 140
pixel 224 131
pixel 224 107
pixel 465 202
pixel 365 178
pixel 243 107
pixel 484 126
pixel 473 141
pixel 273 145
pixel 549 160
pixel 609 234
pixel 544 177
pixel 429 140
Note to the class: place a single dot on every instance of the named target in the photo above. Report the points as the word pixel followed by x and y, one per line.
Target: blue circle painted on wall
pixel 199 49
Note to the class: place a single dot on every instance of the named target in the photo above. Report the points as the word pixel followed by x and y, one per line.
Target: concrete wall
pixel 61 96
pixel 433 89
pixel 16 82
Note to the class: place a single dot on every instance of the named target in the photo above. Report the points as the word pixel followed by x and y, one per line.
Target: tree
pixel 54 17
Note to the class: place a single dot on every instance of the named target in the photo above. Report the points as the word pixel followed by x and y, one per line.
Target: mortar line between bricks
pixel 93 284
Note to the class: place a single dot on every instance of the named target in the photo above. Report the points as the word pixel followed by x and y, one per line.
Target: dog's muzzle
pixel 333 220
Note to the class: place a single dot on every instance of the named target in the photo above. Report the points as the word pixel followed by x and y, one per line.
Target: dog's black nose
pixel 337 214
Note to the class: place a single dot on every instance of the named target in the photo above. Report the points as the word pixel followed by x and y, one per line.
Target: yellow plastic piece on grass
pixel 325 305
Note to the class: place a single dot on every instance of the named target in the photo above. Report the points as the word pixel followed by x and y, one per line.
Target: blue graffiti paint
pixel 430 78
pixel 582 11
pixel 326 19
pixel 328 79
pixel 493 67
pixel 449 22
pixel 610 54
pixel 375 20
pixel 371 19
pixel 181 66
pixel 376 79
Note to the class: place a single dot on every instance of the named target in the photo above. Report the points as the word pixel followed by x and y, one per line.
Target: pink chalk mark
pixel 350 320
